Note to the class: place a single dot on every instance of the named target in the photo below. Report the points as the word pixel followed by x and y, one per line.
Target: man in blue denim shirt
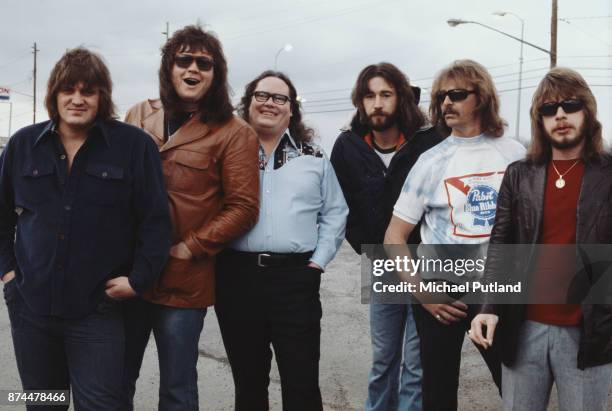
pixel 268 282
pixel 84 223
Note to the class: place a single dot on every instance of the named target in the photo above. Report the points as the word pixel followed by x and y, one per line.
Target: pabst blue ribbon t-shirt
pixel 455 186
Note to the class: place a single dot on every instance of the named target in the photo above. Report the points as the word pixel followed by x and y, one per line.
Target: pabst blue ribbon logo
pixel 481 203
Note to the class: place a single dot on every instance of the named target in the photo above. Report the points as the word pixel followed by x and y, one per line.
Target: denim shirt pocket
pixel 36 184
pixel 103 184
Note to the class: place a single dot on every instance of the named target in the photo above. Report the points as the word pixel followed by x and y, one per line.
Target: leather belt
pixel 270 259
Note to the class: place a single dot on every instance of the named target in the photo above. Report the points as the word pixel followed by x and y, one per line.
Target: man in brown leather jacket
pixel 557 197
pixel 209 160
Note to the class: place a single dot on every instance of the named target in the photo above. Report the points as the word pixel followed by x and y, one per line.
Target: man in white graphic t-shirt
pixel 454 188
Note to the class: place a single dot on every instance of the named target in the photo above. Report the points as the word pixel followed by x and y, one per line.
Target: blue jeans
pixel 395 379
pixel 177 333
pixel 83 354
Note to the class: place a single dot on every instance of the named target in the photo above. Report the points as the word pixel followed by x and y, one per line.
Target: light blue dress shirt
pixel 302 207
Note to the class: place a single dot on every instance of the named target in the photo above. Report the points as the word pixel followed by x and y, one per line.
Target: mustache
pixel 379 113
pixel 563 125
pixel 449 111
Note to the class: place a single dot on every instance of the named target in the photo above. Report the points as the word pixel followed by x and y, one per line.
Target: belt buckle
pixel 259 263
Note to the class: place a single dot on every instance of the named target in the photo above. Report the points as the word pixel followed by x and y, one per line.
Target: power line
pixel 326 91
pixel 330 111
pixel 524 71
pixel 16 59
pixel 539 77
pixel 414 81
pixel 340 110
pixel 23 113
pixel 593 68
pixel 587 18
pixel 585 32
pixel 327 99
pixel 22 94
pixel 345 101
pixel 18 82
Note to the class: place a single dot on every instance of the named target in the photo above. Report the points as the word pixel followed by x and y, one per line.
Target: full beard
pixel 387 123
pixel 567 143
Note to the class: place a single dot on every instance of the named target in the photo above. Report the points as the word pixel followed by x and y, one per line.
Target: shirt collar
pixel 49 128
pixel 287 136
pixel 369 139
pixel 98 128
pixel 291 140
pixel 467 140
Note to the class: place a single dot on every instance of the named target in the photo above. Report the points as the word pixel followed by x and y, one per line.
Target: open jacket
pixel 519 221
pixel 212 180
pixel 369 187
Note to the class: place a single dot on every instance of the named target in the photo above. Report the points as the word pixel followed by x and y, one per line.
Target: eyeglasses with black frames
pixel 263 96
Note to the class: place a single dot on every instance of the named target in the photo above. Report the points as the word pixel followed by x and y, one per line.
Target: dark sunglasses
pixel 457 94
pixel 203 63
pixel 569 106
pixel 263 96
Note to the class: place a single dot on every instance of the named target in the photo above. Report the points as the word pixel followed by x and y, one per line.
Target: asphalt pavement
pixel 345 355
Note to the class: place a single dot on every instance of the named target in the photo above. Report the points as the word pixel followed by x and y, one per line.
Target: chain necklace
pixel 167 121
pixel 560 182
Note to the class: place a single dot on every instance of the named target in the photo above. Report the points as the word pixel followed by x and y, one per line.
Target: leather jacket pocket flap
pixel 192 159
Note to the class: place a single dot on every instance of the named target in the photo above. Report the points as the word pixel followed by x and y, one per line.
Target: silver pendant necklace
pixel 560 182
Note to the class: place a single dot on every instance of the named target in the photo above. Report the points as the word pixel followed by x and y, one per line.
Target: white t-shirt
pixel 455 184
pixel 385 157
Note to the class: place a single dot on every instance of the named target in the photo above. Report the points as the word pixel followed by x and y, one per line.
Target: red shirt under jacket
pixel 556 265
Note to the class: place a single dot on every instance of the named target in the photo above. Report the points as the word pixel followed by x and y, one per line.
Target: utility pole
pixel 36 50
pixel 553 35
pixel 10 117
pixel 167 32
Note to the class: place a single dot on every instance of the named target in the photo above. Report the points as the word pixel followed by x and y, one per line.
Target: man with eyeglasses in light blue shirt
pixel 268 282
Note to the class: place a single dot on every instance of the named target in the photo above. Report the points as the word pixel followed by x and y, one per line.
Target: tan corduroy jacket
pixel 212 179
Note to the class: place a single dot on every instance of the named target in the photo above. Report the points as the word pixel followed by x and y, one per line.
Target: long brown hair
pixel 408 116
pixel 81 65
pixel 559 84
pixel 215 106
pixel 475 76
pixel 298 130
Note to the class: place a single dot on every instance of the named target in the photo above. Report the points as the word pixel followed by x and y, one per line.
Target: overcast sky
pixel 332 41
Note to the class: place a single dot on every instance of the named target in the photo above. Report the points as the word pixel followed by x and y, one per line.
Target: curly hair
pixel 475 76
pixel 559 84
pixel 408 116
pixel 299 131
pixel 80 65
pixel 216 105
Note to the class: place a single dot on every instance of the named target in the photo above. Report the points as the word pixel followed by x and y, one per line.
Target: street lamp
pixel 520 79
pixel 456 22
pixel 287 48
